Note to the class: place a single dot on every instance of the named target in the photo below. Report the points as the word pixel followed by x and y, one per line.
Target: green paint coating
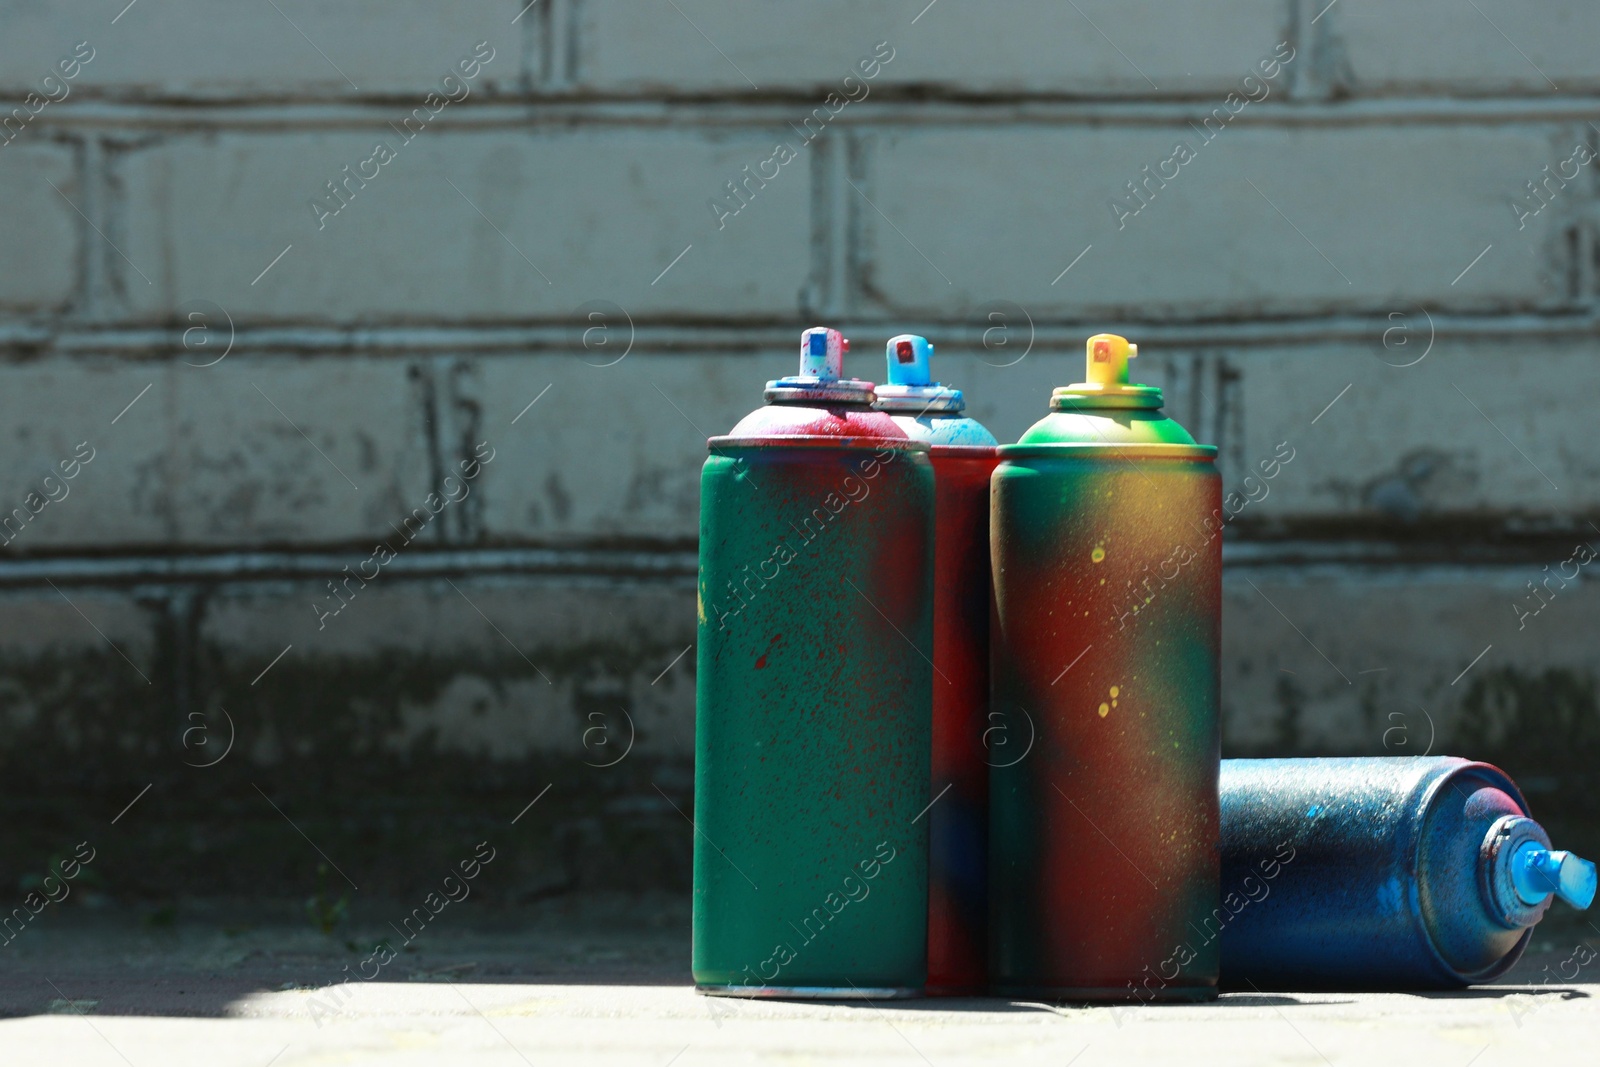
pixel 812 716
pixel 1105 425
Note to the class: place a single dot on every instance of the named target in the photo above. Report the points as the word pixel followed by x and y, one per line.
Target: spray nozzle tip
pixel 822 353
pixel 909 360
pixel 1538 872
pixel 1107 359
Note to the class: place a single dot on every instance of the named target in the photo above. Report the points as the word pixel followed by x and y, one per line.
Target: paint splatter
pixel 1098 554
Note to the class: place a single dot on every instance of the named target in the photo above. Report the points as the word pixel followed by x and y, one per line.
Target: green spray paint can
pixel 813 695
pixel 1103 804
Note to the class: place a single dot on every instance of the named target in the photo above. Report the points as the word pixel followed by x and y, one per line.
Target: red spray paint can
pixel 963 455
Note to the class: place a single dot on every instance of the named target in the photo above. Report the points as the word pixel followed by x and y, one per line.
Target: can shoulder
pixel 801 420
pixel 949 430
pixel 1119 427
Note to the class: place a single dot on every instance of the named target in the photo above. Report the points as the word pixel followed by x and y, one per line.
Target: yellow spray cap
pixel 1105 381
pixel 1107 357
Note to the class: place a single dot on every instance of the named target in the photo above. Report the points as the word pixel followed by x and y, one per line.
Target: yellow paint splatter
pixel 1105 709
pixel 1098 554
pixel 1115 691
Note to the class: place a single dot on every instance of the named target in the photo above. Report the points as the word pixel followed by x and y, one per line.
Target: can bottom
pixel 810 992
pixel 956 991
pixel 1169 994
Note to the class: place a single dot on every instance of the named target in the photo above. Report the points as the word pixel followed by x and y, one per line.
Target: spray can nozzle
pixel 822 354
pixel 1105 379
pixel 910 387
pixel 821 379
pixel 910 359
pixel 1537 872
pixel 1524 871
pixel 1107 360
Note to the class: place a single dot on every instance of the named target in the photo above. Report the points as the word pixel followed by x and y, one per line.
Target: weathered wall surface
pixel 258 343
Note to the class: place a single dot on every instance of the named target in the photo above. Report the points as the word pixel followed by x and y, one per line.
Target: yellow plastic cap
pixel 1105 383
pixel 1106 357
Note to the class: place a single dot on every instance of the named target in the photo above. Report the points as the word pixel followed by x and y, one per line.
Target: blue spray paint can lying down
pixel 1388 873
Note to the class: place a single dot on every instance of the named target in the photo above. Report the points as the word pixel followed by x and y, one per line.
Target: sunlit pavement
pixel 602 981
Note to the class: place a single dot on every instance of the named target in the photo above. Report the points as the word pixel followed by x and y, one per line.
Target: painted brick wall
pixel 274 339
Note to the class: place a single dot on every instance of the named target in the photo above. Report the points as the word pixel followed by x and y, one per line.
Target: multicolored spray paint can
pixel 812 696
pixel 1103 798
pixel 1385 872
pixel 963 459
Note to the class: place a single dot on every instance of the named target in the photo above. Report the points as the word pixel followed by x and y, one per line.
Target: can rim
pixel 924 399
pixel 808 992
pixel 1137 449
pixel 726 443
pixel 1428 789
pixel 963 451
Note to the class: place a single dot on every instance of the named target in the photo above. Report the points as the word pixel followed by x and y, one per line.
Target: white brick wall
pixel 566 217
pixel 202 458
pixel 604 452
pixel 1375 179
pixel 1394 644
pixel 1506 46
pixel 38 228
pixel 1397 654
pixel 1142 48
pixel 1324 216
pixel 1260 218
pixel 509 711
pixel 223 49
pixel 1408 442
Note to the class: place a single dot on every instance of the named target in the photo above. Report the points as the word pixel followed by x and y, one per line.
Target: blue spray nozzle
pixel 1538 872
pixel 911 390
pixel 909 357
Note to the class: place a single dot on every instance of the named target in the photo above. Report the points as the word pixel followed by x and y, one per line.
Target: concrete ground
pixel 603 980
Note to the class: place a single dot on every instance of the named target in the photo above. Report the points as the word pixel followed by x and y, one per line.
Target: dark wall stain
pixel 1543 728
pixel 81 736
